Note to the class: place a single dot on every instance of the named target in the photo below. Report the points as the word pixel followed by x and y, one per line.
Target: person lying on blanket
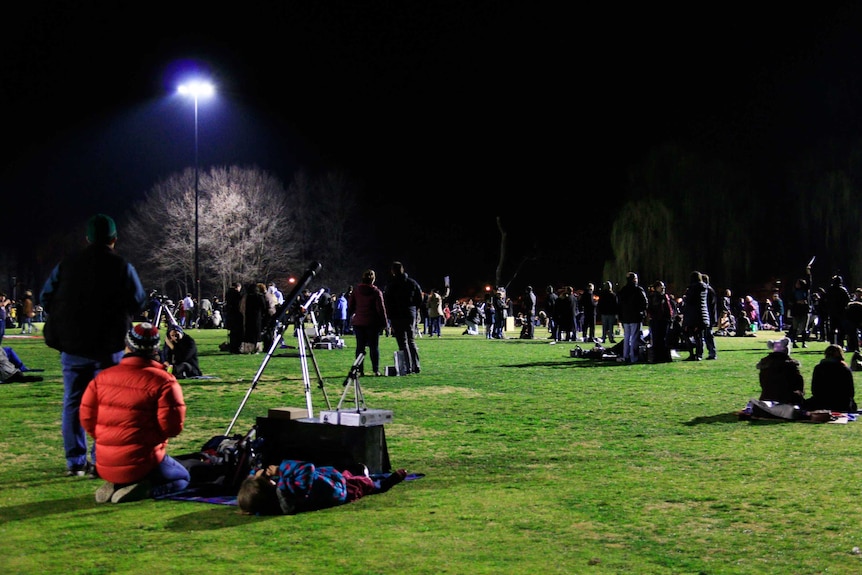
pixel 295 486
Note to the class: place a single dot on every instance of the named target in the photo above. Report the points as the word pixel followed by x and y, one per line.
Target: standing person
pixel 566 309
pixel 490 313
pixel 499 303
pixel 587 305
pixel 528 309
pixel 4 303
pixel 253 308
pixel 188 319
pixel 778 310
pixel 97 292
pixel 28 310
pixel 368 309
pixel 273 289
pixel 660 313
pixel 712 310
pixel 434 303
pixel 837 298
pixel 695 315
pixel 233 317
pixel 608 308
pixel 340 315
pixel 800 310
pixel 632 311
pixel 550 303
pixel 131 410
pixel 403 297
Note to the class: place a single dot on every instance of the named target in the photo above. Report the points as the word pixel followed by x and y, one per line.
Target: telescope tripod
pixel 304 346
pixel 353 379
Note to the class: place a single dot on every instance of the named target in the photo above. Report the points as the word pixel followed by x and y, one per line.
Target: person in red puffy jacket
pixel 130 410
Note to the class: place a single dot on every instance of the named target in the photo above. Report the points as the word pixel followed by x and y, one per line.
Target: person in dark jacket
pixel 402 298
pixel 712 310
pixel 695 315
pixel 832 383
pixel 608 308
pixel 550 301
pixel 97 292
pixel 660 313
pixel 181 353
pixel 368 310
pixel 587 304
pixel 632 310
pixel 780 376
pixel 253 308
pixel 233 317
pixel 837 298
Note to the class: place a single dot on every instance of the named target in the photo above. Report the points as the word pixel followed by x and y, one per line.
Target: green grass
pixel 535 462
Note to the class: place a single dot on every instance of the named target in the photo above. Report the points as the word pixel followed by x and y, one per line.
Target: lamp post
pixel 197 90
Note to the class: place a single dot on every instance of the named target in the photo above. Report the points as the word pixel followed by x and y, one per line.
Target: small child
pixel 296 486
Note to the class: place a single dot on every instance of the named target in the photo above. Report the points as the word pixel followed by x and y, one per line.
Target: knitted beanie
pixel 143 338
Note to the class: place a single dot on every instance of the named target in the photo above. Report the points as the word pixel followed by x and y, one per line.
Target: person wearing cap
pixel 181 353
pixel 98 293
pixel 780 376
pixel 131 410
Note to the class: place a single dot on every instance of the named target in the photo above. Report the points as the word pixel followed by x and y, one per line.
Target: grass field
pixel 534 462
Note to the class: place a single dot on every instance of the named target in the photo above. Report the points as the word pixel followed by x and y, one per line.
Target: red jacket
pixel 367 307
pixel 131 410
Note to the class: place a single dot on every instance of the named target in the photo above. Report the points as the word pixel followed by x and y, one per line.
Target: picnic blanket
pixel 214 493
pixel 757 409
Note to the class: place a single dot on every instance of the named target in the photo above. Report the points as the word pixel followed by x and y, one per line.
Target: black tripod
pixel 277 325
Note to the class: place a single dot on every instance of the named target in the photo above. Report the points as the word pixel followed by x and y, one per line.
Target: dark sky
pixel 452 112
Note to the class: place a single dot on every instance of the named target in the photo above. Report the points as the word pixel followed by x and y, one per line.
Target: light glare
pixel 196 89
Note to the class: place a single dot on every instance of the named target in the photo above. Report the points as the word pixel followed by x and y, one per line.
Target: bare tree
pixel 245 233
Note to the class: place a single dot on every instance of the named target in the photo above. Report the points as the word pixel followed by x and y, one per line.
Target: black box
pixel 308 439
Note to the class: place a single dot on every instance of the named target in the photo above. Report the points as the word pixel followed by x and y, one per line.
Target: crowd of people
pixel 110 376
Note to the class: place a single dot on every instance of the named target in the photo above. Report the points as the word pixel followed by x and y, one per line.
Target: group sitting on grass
pixel 781 380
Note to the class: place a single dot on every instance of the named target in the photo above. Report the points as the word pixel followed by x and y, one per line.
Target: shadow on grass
pixel 732 417
pixel 208 517
pixel 212 517
pixel 44 508
pixel 729 417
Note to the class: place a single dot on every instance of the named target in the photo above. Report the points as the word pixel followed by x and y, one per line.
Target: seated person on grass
pixel 780 377
pixel 181 353
pixel 296 486
pixel 12 370
pixel 832 383
pixel 131 410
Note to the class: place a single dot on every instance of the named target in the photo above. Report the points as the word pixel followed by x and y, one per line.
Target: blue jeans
pixel 78 371
pixel 631 341
pixel 170 476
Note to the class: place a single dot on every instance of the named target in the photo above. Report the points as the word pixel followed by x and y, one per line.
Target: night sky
pixel 446 113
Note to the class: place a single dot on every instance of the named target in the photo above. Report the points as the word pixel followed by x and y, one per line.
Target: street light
pixel 196 90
